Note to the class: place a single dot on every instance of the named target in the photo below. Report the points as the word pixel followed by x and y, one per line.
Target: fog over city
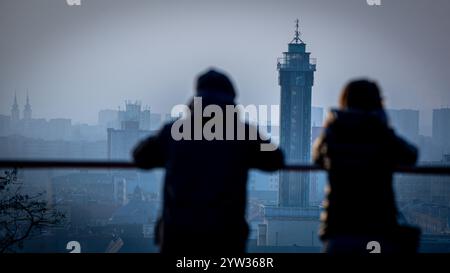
pixel 76 61
pixel 88 83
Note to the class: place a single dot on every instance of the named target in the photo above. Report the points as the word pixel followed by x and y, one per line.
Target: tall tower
pixel 27 109
pixel 15 113
pixel 294 221
pixel 296 78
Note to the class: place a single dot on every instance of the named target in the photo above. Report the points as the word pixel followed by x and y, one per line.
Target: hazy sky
pixel 78 60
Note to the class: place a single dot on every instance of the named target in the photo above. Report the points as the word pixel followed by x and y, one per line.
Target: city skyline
pixel 85 90
pixel 393 115
pixel 93 62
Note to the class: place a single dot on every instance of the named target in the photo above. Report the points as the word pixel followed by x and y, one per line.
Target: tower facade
pixel 296 78
pixel 15 113
pixel 27 109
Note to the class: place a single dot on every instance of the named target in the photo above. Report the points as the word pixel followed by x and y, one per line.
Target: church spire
pixel 15 104
pixel 27 110
pixel 15 109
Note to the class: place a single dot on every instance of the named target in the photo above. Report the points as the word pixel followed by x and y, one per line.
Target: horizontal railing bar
pixel 41 164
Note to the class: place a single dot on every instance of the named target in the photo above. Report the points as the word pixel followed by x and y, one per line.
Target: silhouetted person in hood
pixel 206 180
pixel 360 151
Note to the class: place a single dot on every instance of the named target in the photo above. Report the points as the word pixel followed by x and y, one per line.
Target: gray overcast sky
pixel 78 60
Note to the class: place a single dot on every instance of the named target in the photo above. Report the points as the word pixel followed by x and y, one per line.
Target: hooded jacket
pixel 205 185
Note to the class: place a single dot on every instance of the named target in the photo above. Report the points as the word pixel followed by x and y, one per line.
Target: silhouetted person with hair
pixel 205 181
pixel 360 150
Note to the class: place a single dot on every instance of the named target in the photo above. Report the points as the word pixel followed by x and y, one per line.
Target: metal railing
pixel 296 64
pixel 78 164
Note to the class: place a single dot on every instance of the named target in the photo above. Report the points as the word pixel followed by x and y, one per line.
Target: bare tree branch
pixel 22 215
